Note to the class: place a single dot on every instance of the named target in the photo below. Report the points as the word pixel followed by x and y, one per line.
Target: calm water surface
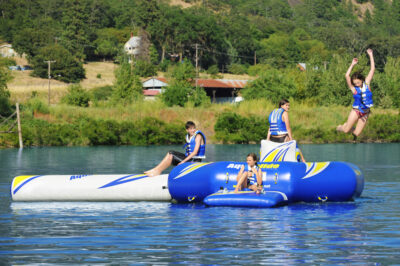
pixel 364 232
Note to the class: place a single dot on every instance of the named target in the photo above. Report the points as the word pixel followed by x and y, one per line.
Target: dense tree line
pixel 231 35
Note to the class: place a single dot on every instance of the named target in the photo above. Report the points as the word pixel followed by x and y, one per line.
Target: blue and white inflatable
pixel 211 183
pixel 285 181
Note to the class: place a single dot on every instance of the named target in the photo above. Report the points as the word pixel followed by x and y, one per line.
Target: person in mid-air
pixel 362 94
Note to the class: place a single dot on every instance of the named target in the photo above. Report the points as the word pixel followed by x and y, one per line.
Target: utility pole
pixel 49 74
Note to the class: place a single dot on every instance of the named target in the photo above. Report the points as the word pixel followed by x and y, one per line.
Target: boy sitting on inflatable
pixel 250 176
pixel 195 151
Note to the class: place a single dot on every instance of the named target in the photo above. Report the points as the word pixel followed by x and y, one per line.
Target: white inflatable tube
pixel 90 188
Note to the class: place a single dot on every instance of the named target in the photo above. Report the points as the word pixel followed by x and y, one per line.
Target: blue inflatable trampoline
pixel 283 183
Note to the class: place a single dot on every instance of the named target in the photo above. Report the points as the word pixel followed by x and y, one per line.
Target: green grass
pixel 309 123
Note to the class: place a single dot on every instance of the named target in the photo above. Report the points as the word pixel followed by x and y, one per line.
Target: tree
pixel 75 36
pixel 127 85
pixel 5 106
pixel 273 85
pixel 66 68
pixel 386 85
pixel 177 92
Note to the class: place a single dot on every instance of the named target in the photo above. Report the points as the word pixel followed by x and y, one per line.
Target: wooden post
pixel 21 145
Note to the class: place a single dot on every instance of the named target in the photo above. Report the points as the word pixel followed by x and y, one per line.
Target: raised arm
pixel 348 78
pixel 372 63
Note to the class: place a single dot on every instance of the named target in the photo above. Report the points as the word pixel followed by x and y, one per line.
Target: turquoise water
pixel 364 232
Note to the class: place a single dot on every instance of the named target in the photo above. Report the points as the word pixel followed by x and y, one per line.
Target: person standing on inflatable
pixel 279 127
pixel 362 95
pixel 195 151
pixel 249 176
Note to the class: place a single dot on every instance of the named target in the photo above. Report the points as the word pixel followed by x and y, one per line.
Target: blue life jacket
pixel 363 98
pixel 191 144
pixel 252 179
pixel 276 124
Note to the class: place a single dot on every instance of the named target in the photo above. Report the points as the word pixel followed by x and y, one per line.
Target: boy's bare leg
pixel 164 164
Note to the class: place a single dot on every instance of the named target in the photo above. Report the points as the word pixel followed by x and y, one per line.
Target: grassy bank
pixel 147 123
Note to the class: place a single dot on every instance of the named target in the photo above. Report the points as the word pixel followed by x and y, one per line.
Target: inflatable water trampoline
pixel 211 183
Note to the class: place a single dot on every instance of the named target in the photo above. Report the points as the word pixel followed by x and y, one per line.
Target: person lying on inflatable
pixel 195 151
pixel 250 176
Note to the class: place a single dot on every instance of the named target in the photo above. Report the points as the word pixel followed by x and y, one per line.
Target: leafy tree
pixel 178 90
pixel 75 36
pixel 5 106
pixel 65 68
pixel 386 85
pixel 182 72
pixel 153 54
pixel 144 69
pixel 31 39
pixel 176 93
pixel 127 86
pixel 272 84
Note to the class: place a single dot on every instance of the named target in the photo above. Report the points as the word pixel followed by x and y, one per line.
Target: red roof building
pixel 219 90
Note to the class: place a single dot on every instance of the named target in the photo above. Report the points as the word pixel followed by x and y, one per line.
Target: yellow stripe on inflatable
pixel 316 168
pixel 20 179
pixel 191 169
pixel 271 156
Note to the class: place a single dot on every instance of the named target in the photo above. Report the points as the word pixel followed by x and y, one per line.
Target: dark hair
pixel 283 102
pixel 253 155
pixel 357 75
pixel 190 124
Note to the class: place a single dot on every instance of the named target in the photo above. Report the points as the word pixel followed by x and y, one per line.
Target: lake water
pixel 363 232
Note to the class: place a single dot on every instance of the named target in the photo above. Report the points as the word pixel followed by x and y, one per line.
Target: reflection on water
pixel 365 231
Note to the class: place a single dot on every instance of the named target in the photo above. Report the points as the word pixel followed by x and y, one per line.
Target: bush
pixel 35 105
pixel 176 93
pixel 37 132
pixel 101 93
pixel 385 127
pixel 198 97
pixel 233 128
pixel 76 96
pixel 100 132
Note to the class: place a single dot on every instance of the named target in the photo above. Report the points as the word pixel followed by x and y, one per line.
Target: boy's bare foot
pixel 152 172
